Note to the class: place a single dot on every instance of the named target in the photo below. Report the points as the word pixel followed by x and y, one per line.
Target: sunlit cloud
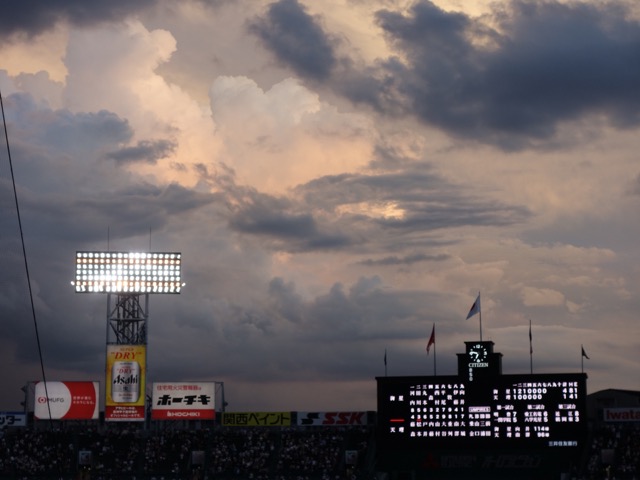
pixel 338 177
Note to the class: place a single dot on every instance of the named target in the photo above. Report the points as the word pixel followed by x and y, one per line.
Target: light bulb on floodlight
pixel 126 272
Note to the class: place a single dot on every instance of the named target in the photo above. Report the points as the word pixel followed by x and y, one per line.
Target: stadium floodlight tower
pixel 125 277
pixel 128 276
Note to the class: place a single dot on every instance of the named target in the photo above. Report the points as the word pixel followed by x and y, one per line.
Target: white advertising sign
pixel 630 414
pixel 338 419
pixel 183 401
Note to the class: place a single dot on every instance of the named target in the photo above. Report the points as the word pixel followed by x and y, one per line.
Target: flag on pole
pixel 584 354
pixel 475 308
pixel 432 338
pixel 530 340
pixel 385 357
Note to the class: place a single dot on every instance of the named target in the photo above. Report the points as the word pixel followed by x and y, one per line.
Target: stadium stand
pixel 294 453
pixel 117 453
pixel 98 450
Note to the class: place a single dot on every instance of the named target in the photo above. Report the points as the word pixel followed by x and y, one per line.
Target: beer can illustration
pixel 125 382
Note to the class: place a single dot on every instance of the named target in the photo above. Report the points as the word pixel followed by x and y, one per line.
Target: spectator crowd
pixel 615 452
pixel 128 453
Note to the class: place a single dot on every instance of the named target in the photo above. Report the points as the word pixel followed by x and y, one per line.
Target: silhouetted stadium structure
pixel 482 424
pixel 126 278
pixel 477 424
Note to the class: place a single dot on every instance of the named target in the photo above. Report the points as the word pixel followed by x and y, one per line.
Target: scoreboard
pixel 481 423
pixel 511 411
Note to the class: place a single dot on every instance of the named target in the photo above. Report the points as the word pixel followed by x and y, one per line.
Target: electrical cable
pixel 24 254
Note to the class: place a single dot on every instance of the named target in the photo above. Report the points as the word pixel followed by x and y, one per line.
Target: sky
pixel 340 177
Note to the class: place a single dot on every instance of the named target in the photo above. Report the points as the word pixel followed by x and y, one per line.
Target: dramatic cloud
pixel 144 151
pixel 511 78
pixel 338 176
pixel 544 63
pixel 33 17
pixel 297 39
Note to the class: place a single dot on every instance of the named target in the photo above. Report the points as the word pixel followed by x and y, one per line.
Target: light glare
pixel 128 272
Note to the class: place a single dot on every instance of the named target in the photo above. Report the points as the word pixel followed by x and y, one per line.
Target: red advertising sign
pixel 183 401
pixel 66 401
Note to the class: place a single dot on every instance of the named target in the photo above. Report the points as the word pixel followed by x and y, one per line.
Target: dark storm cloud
pixel 40 132
pixel 428 216
pixel 292 337
pixel 404 260
pixel 310 220
pixel 511 81
pixel 270 217
pixel 131 211
pixel 428 201
pixel 369 309
pixel 75 195
pixel 546 63
pixel 33 17
pixel 145 151
pixel 296 39
pixel 286 300
pixel 284 222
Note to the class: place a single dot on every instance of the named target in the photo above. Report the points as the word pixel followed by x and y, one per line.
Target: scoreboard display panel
pixel 505 412
pixel 480 423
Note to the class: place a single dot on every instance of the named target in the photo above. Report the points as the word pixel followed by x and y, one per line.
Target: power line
pixel 24 255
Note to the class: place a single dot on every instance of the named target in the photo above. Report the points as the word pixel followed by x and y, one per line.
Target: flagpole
pixel 476 308
pixel 385 362
pixel 480 314
pixel 434 360
pixel 432 341
pixel 583 355
pixel 530 348
pixel 434 351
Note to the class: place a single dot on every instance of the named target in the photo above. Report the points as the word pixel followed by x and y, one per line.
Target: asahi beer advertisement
pixel 125 382
pixel 66 401
pixel 183 401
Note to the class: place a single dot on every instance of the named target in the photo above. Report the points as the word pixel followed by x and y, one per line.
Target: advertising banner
pixel 183 401
pixel 125 383
pixel 66 401
pixel 13 419
pixel 336 419
pixel 630 414
pixel 257 419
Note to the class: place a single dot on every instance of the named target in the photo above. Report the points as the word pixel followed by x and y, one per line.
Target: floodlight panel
pixel 128 272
